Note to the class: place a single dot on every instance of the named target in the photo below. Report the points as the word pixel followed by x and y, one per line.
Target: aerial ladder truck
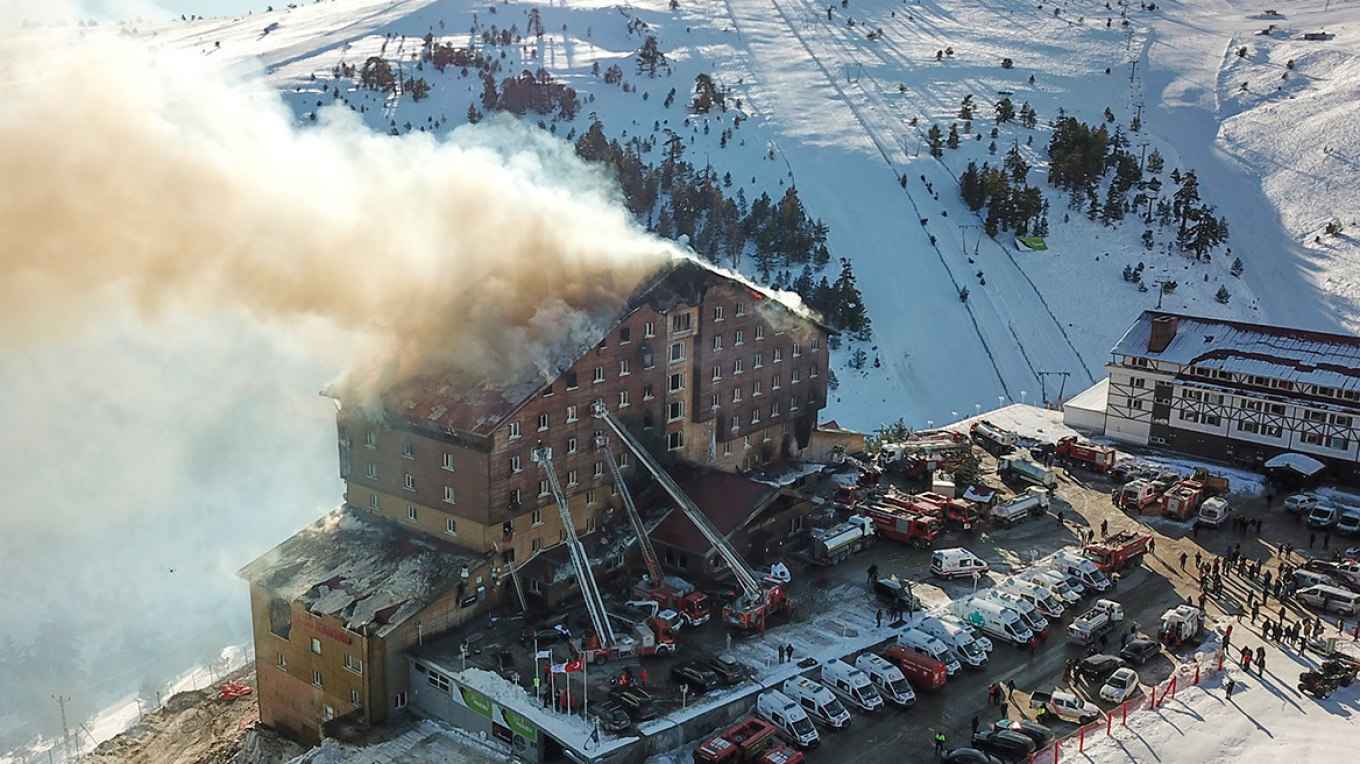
pixel 603 642
pixel 760 600
pixel 670 592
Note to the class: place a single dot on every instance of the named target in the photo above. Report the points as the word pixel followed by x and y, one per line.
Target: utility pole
pixel 1133 69
pixel 62 700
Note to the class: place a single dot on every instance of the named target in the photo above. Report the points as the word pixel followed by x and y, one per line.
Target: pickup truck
pixel 1065 706
pixel 1100 619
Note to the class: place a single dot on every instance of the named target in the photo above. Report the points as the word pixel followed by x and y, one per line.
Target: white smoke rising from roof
pixel 146 176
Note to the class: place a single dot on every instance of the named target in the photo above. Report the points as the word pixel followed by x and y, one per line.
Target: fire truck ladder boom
pixel 745 576
pixel 590 590
pixel 644 543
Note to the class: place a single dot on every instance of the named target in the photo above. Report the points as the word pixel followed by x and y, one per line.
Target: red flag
pixel 575 665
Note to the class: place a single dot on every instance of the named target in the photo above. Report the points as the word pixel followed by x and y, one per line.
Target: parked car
pixel 699 678
pixel 728 669
pixel 1004 744
pixel 609 715
pixel 1138 651
pixel 1042 736
pixel 896 593
pixel 1302 503
pixel 969 756
pixel 544 635
pixel 1097 668
pixel 1122 685
pixel 637 702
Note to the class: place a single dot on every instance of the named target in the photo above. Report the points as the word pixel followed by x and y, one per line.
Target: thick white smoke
pixel 148 177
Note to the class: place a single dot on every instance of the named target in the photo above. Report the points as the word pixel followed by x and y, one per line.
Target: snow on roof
pixel 361 568
pixel 1093 398
pixel 1304 465
pixel 1295 355
pixel 1026 421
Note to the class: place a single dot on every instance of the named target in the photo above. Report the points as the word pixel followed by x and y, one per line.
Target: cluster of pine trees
pixel 674 199
pixel 1012 204
pixel 535 92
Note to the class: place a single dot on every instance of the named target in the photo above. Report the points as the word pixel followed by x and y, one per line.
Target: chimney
pixel 1163 332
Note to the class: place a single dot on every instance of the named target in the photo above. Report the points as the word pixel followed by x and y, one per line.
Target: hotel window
pixel 741 307
pixel 760 333
pixel 514 430
pixel 451 527
pixel 590 496
pixel 448 494
pixel 1341 421
pixel 536 517
pixel 680 322
pixel 371 470
pixel 354 664
pixel 736 421
pixel 371 439
pixel 316 678
pixel 572 383
pixel 1211 420
pixel 623 399
pixel 282 661
pixel 1245 426
pixel 515 463
pixel 717 313
pixel 625 336
pixel 793 376
pixel 774 409
pixel 623 460
pixel 774 382
pixel 448 461
pixel 571 445
pixel 399 700
pixel 649 329
pixel 316 646
pixel 758 361
pixel 736 394
pixel 571 478
pixel 599 374
pixel 543 489
pixel 677 351
pixel 755 388
pixel 816 344
pixel 738 338
pixel 623 368
pixel 793 403
pixel 755 416
pixel 1340 444
pixel 571 414
pixel 647 394
pixel 599 470
pixel 677 382
pixel 374 502
pixel 714 402
pixel 1190 416
pixel 516 499
pixel 676 411
pixel 727 448
pixel 797 350
pixel 675 441
pixel 542 422
pixel 1311 438
pixel 717 373
pixel 1138 381
pixel 737 366
pixel 408 450
pixel 1273 431
pixel 354 699
pixel 1135 404
pixel 409 482
pixel 717 342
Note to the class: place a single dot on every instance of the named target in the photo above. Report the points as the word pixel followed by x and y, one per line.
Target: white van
pixel 1214 512
pixel 851 685
pixel 997 620
pixel 1055 582
pixel 957 638
pixel 975 631
pixel 819 703
pixel 1330 599
pixel 891 684
pixel 923 643
pixel 1072 563
pixel 1323 516
pixel 1349 522
pixel 789 718
pixel 1035 594
pixel 956 562
pixel 1035 620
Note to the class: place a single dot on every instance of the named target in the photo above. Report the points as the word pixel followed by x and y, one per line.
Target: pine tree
pixel 971 189
pixel 936 140
pixel 1005 111
pixel 966 108
pixel 953 140
pixel 1185 201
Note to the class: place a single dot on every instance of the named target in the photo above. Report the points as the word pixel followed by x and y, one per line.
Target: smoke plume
pixel 133 175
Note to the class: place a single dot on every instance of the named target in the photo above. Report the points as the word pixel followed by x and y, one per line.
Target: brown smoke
pixel 145 176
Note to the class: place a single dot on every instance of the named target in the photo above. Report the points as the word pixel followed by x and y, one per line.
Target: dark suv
pixel 610 716
pixel 699 678
pixel 1097 668
pixel 635 701
pixel 893 592
pixel 727 668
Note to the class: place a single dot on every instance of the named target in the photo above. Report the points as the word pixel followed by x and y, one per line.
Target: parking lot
pixel 1084 503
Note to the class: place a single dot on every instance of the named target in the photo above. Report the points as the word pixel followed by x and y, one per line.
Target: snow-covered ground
pixel 825 108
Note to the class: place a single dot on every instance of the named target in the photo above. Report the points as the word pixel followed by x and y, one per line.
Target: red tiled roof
pixel 726 500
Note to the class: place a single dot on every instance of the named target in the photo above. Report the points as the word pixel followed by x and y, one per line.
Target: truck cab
pixel 851 685
pixel 1090 575
pixel 789 718
pixel 819 702
pixel 889 680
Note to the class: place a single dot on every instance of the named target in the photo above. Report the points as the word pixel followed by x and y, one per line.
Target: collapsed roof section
pixel 361 569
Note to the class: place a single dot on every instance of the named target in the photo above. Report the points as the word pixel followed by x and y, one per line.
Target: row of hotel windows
pixel 1257 381
pixel 408 449
pixel 1215 399
pixel 1268 430
pixel 535 517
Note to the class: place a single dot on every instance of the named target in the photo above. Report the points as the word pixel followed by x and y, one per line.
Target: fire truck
pixel 959 512
pixel 901 524
pixel 1122 550
pixel 760 598
pixel 1097 458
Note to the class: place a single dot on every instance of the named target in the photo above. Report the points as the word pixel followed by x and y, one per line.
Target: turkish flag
pixel 575 665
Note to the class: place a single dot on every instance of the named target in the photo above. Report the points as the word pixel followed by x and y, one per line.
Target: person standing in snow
pixel 1260 661
pixel 1228 686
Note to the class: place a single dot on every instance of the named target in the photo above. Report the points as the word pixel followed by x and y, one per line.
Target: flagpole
pixel 537 688
pixel 585 687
